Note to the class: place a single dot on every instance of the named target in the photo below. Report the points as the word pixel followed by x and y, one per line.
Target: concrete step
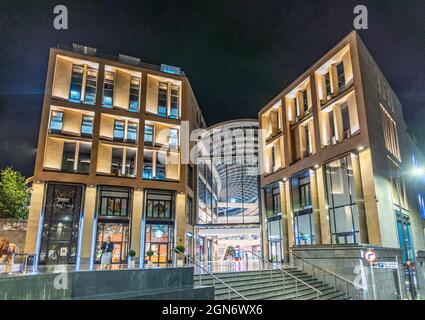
pixel 266 285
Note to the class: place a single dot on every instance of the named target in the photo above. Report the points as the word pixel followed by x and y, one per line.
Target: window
pixel 332 127
pixel 174 104
pixel 273 158
pixel 160 240
pixel 108 89
pixel 390 134
pixel 190 176
pixel 56 121
pixel 308 149
pixel 116 163
pixel 160 204
pixel 130 162
pixel 345 120
pixel 59 240
pixel 173 138
pixel 189 210
pixel 84 158
pixel 162 99
pixel 148 134
pixel 328 85
pixel 305 100
pixel 341 199
pixel 87 126
pixel 91 85
pixel 340 75
pixel 134 94
pixel 147 165
pixel 114 202
pixel 119 130
pixel 76 83
pixel 132 132
pixel 160 173
pixel 114 221
pixel 276 202
pixel 301 204
pixel 68 157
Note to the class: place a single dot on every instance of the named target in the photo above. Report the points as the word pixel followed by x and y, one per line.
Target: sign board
pixel 386 265
pixel 370 255
pixel 2 268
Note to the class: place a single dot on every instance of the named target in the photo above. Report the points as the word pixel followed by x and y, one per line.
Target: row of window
pixel 123 131
pixel 84 84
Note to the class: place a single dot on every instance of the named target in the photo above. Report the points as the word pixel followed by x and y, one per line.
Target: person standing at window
pixel 107 249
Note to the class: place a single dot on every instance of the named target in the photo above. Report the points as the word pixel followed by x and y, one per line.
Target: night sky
pixel 238 55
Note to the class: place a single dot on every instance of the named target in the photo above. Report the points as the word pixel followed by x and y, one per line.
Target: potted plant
pixel 180 255
pixel 132 254
pixel 150 253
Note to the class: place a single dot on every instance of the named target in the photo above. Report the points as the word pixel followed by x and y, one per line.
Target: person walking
pixel 107 249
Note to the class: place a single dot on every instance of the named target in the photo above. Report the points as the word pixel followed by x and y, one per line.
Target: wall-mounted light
pixel 361 148
pixel 316 166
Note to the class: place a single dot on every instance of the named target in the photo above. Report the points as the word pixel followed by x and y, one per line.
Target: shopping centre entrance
pixel 228 248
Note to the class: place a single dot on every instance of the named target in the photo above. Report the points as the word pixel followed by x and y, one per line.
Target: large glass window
pixel 61 223
pixel 91 85
pixel 160 204
pixel 68 157
pixel 116 163
pixel 174 103
pixel 130 162
pixel 328 85
pixel 303 213
pixel 160 172
pixel 76 83
pixel 404 237
pixel 149 134
pixel 147 164
pixel 87 126
pixel 189 210
pixel 274 227
pixel 108 89
pixel 162 99
pixel 173 138
pixel 341 198
pixel 119 130
pixel 340 75
pixel 345 120
pixel 114 221
pixel 134 94
pixel 160 240
pixel 84 158
pixel 132 132
pixel 114 202
pixel 56 121
pixel 305 100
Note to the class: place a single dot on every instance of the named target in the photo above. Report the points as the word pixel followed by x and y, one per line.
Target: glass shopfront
pixel 302 208
pixel 59 241
pixel 341 198
pixel 114 221
pixel 160 239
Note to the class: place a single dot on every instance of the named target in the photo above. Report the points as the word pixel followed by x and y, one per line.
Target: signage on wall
pixel 370 255
pixel 386 265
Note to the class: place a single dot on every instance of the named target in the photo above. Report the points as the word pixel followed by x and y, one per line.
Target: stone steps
pixel 266 285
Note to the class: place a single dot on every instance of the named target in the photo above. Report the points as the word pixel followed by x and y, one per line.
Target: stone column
pixel 324 214
pixel 136 224
pixel 34 218
pixel 87 238
pixel 316 207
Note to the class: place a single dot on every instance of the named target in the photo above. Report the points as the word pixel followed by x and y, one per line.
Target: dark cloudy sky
pixel 237 54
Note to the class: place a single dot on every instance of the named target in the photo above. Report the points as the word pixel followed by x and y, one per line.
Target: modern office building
pixel 337 162
pixel 228 217
pixel 112 160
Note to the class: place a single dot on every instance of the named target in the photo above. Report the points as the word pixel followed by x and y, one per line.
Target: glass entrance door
pixel 275 251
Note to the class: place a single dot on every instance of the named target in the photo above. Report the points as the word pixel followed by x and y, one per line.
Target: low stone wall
pixel 348 262
pixel 161 283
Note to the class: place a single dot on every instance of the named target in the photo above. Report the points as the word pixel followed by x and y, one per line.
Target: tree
pixel 14 197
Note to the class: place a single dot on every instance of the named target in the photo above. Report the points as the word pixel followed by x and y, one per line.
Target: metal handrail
pixel 212 275
pixel 318 292
pixel 333 274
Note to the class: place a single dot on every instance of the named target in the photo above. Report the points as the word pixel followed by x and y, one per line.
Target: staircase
pixel 268 285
